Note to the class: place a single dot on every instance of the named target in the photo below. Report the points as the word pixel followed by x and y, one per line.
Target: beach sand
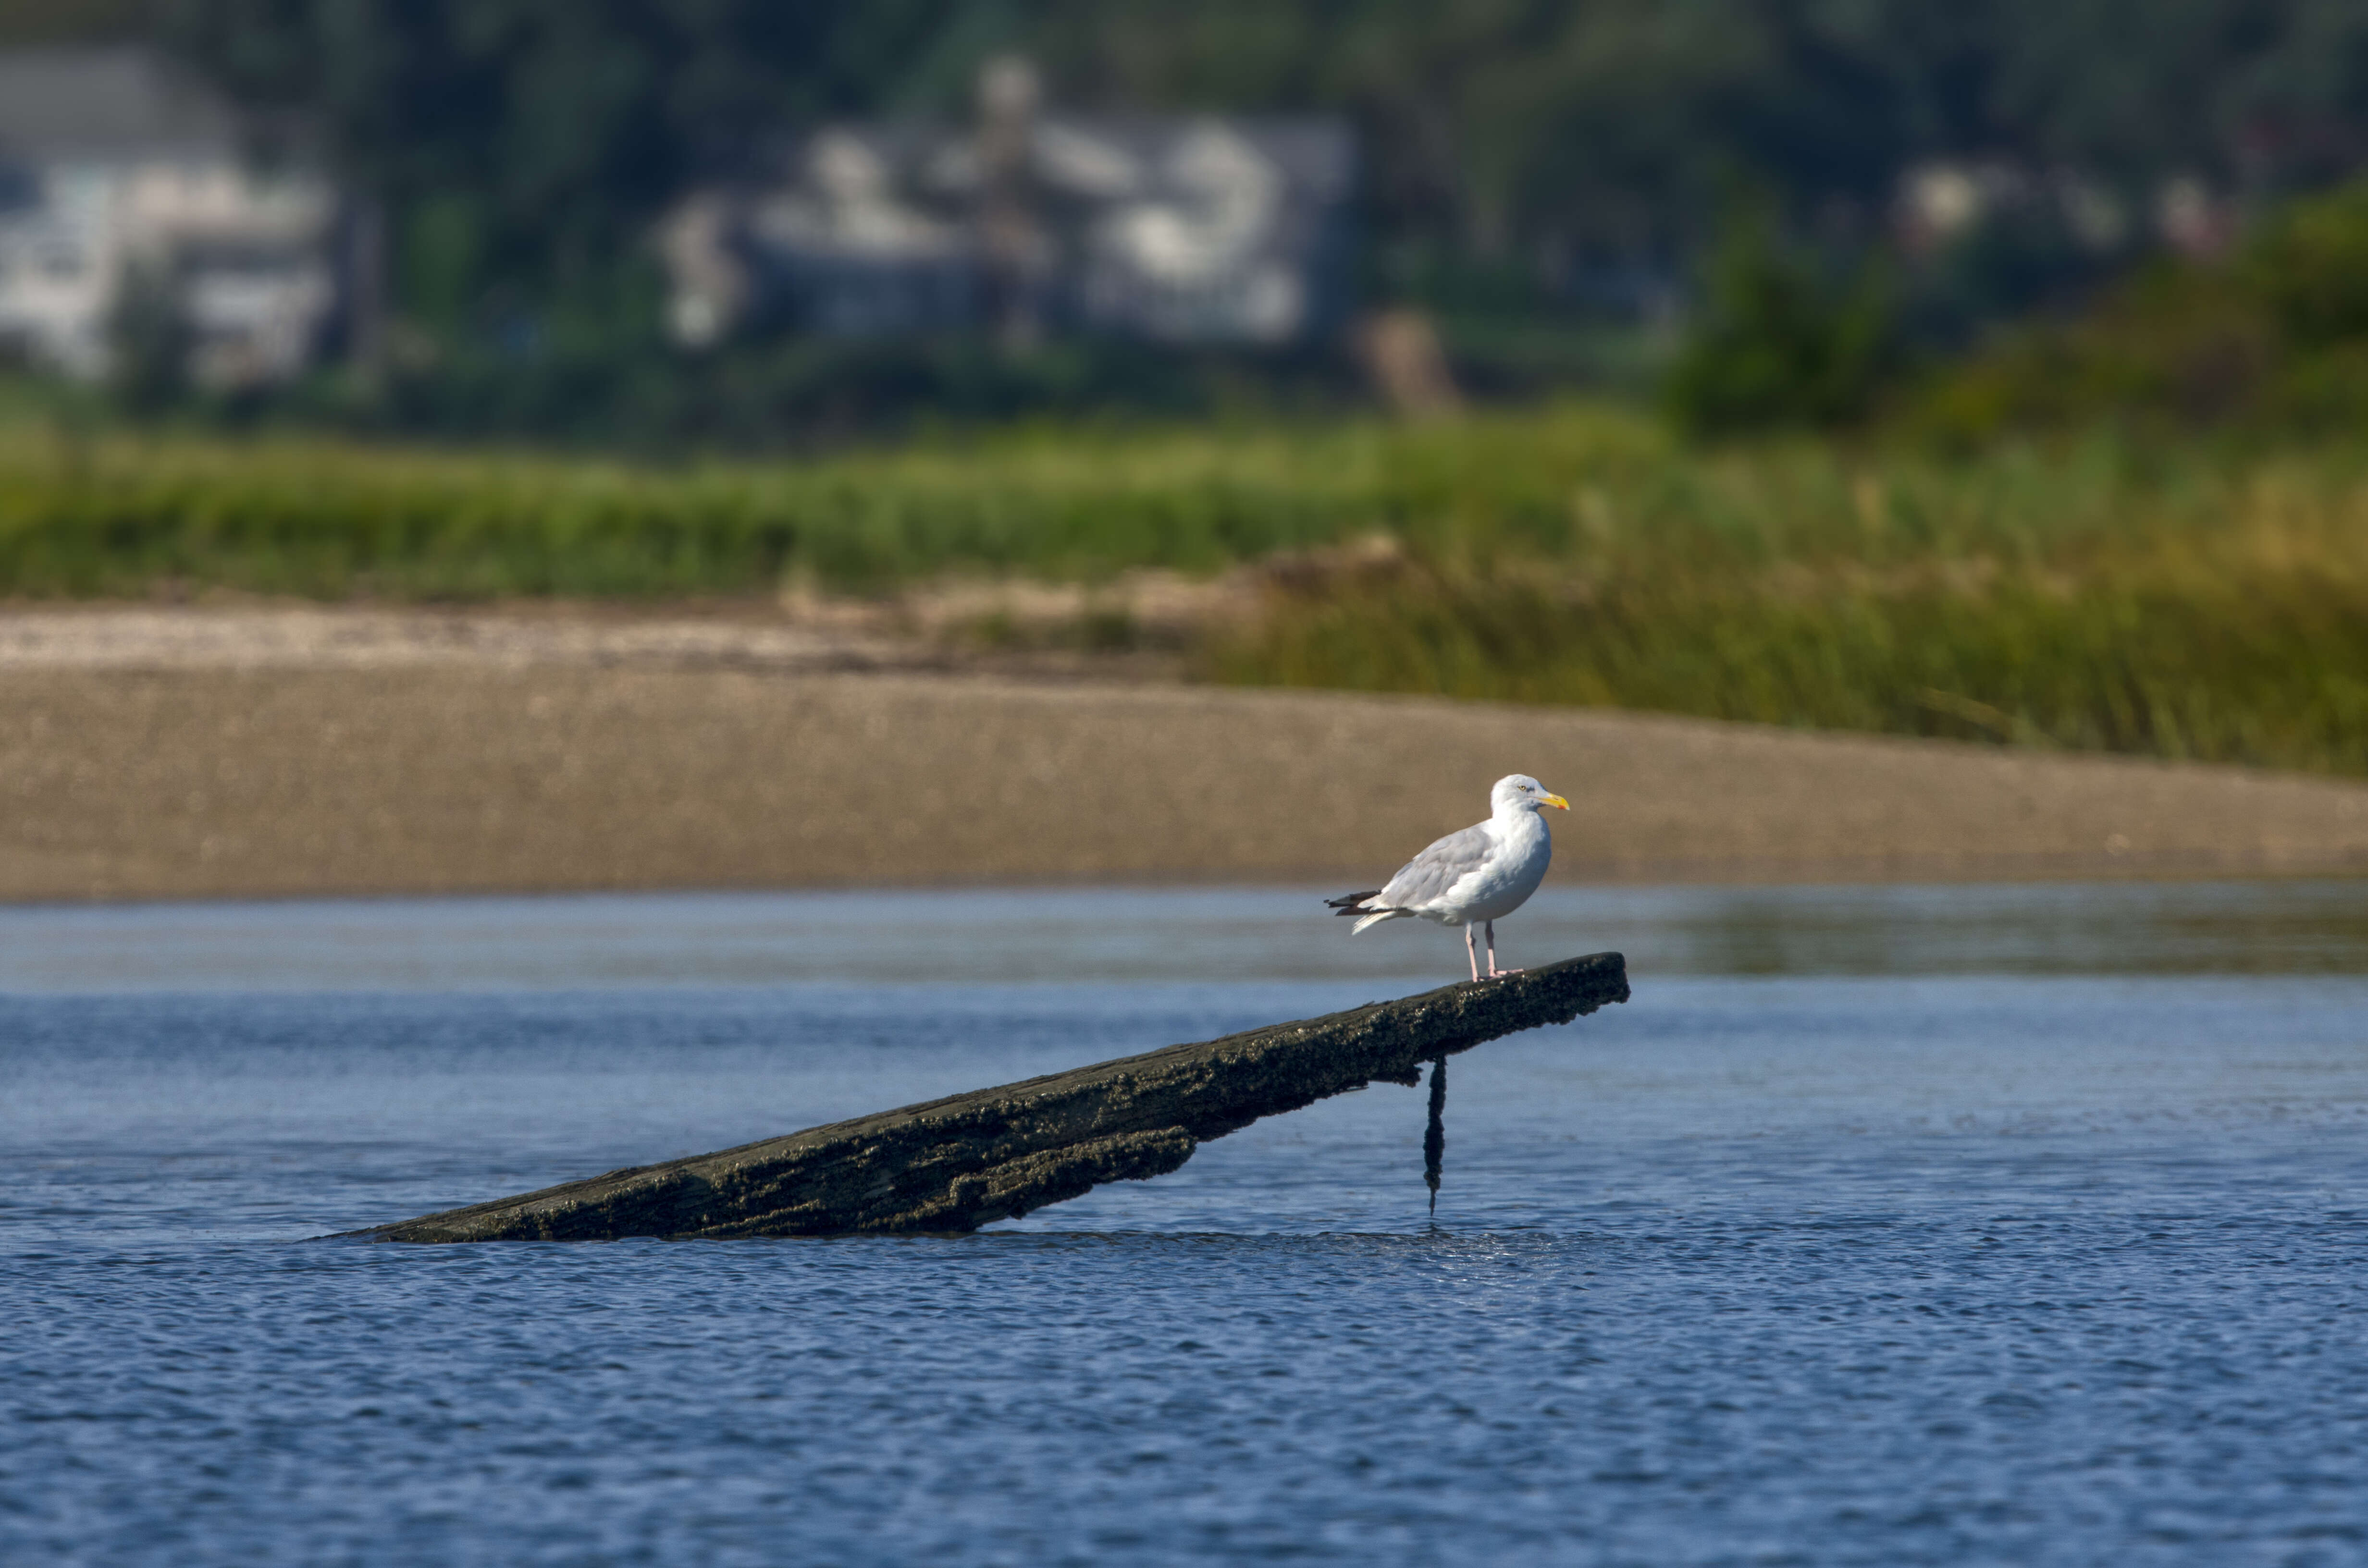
pixel 187 761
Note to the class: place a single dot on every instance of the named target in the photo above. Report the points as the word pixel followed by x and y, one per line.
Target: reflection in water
pixel 2293 927
pixel 979 937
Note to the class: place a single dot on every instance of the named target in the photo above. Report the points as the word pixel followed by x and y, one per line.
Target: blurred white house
pixel 1182 230
pixel 1943 202
pixel 119 173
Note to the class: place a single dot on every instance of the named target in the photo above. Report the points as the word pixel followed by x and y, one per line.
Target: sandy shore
pixel 171 757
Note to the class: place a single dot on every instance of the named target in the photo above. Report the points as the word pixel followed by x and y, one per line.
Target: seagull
pixel 1475 877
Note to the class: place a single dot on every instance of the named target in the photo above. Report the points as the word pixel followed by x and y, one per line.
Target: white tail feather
pixel 1376 917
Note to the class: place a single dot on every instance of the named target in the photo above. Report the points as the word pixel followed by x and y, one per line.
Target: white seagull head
pixel 1519 792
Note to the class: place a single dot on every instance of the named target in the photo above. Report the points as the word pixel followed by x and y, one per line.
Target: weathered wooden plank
pixel 957 1163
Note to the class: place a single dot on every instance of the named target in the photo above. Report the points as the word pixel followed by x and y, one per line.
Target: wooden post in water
pixel 957 1163
pixel 1434 1134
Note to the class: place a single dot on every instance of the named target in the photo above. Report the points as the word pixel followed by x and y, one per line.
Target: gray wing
pixel 1432 873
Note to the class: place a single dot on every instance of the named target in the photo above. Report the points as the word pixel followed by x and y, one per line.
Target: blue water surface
pixel 1997 1226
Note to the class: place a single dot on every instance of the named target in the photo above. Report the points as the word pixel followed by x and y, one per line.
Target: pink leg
pixel 1474 953
pixel 1493 970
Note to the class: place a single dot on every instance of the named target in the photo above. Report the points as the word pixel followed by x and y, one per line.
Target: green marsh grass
pixel 2179 605
pixel 114 516
pixel 2177 601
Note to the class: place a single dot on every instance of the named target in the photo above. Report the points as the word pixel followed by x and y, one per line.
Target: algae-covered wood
pixel 957 1163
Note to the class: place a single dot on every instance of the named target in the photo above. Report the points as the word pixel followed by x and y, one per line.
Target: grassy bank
pixel 117 515
pixel 2177 601
pixel 2088 598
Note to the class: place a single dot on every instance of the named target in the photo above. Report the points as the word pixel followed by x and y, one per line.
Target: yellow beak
pixel 1554 800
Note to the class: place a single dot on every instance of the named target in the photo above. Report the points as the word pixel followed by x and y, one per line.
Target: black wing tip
pixel 1349 906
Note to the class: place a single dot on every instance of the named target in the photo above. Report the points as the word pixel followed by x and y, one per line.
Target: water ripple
pixel 1915 1270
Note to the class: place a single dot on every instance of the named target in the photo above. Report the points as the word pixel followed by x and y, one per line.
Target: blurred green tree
pixel 1779 342
pixel 148 343
pixel 1522 156
pixel 523 147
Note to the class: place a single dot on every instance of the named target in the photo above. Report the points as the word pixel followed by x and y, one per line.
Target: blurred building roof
pixel 110 104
